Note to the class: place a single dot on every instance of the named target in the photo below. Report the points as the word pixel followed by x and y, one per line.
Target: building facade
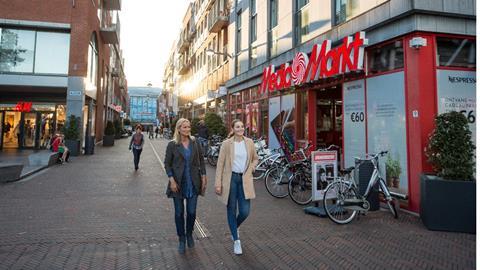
pixel 58 59
pixel 201 59
pixel 144 106
pixel 364 75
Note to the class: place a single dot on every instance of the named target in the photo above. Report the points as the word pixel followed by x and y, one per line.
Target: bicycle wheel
pixel 259 172
pixel 276 182
pixel 212 159
pixel 393 209
pixel 335 195
pixel 300 188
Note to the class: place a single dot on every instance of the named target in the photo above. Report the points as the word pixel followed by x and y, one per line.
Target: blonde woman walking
pixel 185 168
pixel 234 179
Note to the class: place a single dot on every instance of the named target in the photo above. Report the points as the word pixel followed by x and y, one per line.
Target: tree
pixel 71 129
pixel 215 124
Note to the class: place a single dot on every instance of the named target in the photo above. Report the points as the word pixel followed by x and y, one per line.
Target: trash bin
pixel 90 145
pixel 365 171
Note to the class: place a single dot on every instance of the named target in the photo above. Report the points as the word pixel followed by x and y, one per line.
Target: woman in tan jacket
pixel 234 179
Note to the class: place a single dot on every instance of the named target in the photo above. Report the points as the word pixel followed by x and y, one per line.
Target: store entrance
pixel 11 129
pixel 329 117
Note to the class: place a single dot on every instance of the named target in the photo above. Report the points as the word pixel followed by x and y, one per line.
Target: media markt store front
pixel 27 125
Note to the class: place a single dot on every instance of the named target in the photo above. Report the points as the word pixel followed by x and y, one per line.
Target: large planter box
pixel 447 205
pixel 108 140
pixel 73 146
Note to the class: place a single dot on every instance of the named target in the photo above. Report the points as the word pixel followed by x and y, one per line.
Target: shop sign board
pixel 324 171
pixel 323 62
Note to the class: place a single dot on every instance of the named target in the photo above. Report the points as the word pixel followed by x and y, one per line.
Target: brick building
pixel 59 58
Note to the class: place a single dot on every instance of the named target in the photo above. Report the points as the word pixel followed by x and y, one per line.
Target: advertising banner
pixel 387 127
pixel 324 171
pixel 354 121
pixel 282 124
pixel 456 92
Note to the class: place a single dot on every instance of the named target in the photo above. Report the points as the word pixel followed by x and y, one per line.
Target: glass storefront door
pixel 29 129
pixel 11 129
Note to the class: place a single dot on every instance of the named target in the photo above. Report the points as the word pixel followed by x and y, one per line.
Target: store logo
pixel 324 62
pixel 461 79
pixel 23 107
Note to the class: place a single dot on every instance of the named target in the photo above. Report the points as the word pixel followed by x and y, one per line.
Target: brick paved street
pixel 97 213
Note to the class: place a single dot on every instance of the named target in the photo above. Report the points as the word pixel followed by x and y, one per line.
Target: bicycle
pixel 342 201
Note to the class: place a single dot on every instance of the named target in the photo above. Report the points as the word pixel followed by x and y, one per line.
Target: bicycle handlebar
pixel 374 156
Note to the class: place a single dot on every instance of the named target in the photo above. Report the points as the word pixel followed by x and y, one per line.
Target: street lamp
pixel 211 52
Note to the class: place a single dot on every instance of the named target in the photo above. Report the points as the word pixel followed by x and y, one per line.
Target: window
pixel 92 61
pixel 456 52
pixel 238 41
pixel 253 56
pixel 273 13
pixel 386 58
pixel 52 53
pixel 16 50
pixel 301 21
pixel 253 20
pixel 347 9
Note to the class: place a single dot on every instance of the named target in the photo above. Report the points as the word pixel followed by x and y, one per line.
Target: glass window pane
pixel 455 52
pixel 16 50
pixel 386 58
pixel 52 53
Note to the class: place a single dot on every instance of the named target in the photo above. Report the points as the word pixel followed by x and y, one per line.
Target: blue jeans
pixel 136 156
pixel 180 215
pixel 235 196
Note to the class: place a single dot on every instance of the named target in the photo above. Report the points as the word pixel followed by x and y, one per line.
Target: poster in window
pixel 386 127
pixel 354 124
pixel 456 92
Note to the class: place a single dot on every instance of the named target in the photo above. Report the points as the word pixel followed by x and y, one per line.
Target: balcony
pixel 183 44
pixel 110 33
pixel 219 22
pixel 112 4
pixel 183 66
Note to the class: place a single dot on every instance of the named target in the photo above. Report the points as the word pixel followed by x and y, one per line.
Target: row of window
pixel 30 51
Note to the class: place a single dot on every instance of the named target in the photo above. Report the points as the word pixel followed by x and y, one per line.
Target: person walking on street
pixel 156 132
pixel 234 178
pixel 187 179
pixel 136 145
pixel 202 131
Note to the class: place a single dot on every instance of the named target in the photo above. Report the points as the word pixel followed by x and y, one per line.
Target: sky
pixel 148 30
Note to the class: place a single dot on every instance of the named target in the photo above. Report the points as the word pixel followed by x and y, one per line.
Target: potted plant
pixel 109 134
pixel 393 170
pixel 447 200
pixel 118 128
pixel 215 124
pixel 72 135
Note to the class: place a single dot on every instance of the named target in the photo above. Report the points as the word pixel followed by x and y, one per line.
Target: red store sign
pixel 324 62
pixel 23 107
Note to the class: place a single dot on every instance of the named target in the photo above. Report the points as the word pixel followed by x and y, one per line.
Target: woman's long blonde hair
pixel 176 135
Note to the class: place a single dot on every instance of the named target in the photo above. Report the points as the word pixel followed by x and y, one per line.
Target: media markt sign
pixel 323 62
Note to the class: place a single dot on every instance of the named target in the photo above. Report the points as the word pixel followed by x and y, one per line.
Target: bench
pixel 44 158
pixel 10 171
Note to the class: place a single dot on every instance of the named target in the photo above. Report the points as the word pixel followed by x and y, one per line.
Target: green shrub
pixel 109 129
pixel 215 124
pixel 450 149
pixel 70 130
pixel 195 125
pixel 118 126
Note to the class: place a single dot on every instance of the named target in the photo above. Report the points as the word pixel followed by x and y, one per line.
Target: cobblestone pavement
pixel 98 213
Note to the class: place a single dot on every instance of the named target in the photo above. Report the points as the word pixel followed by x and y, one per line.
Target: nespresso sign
pixel 323 62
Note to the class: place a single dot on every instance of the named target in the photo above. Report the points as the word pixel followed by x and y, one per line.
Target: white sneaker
pixel 237 247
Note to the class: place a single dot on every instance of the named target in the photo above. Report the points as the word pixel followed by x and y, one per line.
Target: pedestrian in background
pixel 156 132
pixel 187 179
pixel 202 131
pixel 136 145
pixel 234 178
